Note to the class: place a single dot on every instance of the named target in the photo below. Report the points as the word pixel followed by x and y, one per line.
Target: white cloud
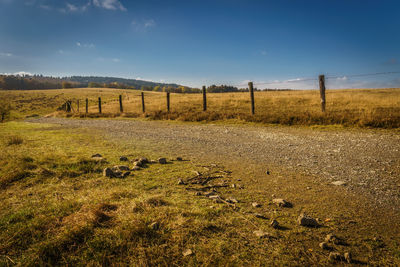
pixel 149 23
pixel 72 7
pixel 263 53
pixel 6 55
pixel 61 51
pixel 79 44
pixel 109 4
pixel 23 73
pixel 116 60
pixel 143 25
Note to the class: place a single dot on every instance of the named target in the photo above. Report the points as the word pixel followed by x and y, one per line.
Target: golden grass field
pixel 378 108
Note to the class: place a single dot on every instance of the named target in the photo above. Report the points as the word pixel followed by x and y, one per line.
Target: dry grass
pixel 363 107
pixel 49 218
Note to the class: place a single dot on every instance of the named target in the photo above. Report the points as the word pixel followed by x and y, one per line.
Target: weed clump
pixel 14 140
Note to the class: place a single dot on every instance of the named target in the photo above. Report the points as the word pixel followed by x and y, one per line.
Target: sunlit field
pixel 363 107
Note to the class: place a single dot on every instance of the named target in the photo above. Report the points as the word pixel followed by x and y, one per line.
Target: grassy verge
pixel 363 108
pixel 58 209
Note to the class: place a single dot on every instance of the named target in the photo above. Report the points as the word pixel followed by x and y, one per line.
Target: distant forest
pixel 40 82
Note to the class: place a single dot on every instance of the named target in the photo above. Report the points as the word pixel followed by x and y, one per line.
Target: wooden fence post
pixel 251 97
pixel 143 107
pixel 121 109
pixel 204 99
pixel 322 91
pixel 77 103
pixel 87 105
pixel 100 105
pixel 168 103
pixel 68 106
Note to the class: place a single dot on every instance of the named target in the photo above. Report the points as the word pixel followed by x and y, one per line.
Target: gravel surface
pixel 368 161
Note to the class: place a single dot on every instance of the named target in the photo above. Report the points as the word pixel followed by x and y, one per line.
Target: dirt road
pixel 368 161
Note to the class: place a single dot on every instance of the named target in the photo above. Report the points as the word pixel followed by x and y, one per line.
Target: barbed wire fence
pixel 321 80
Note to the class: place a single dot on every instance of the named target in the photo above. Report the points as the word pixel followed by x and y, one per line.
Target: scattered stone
pixel 108 172
pixel 348 257
pixel 99 158
pixel 162 160
pixel 274 224
pixel 334 256
pixel 143 161
pixel 120 168
pixel 153 161
pixel 137 164
pixel 233 186
pixel 305 220
pixel 179 159
pixel 281 202
pixel 135 168
pixel 232 200
pixel 180 182
pixel 332 239
pixel 324 245
pixel 197 194
pixel 214 196
pixel 339 183
pixel 260 216
pixel 154 226
pixel 123 158
pixel 260 234
pixel 187 252
pixel 255 205
pixel 267 172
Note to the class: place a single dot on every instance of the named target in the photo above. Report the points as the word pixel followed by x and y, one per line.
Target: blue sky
pixel 205 42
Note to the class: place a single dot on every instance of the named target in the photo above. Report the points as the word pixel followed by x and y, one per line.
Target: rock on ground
pixel 281 202
pixel 305 220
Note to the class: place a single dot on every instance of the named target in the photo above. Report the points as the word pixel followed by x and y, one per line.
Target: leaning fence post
pixel 143 107
pixel 77 103
pixel 251 97
pixel 100 105
pixel 87 105
pixel 322 91
pixel 204 99
pixel 121 109
pixel 168 101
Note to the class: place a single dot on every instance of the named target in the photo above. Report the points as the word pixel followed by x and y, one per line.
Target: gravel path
pixel 367 160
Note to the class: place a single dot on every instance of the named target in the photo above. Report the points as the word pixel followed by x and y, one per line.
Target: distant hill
pixel 37 82
pixel 137 84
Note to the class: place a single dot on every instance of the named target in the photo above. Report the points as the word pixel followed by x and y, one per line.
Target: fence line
pixel 321 79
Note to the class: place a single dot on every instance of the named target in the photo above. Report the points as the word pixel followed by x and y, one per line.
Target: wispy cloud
pixel 109 4
pixel 5 54
pixel 263 52
pixel 69 7
pixel 143 25
pixel 79 44
pixel 114 60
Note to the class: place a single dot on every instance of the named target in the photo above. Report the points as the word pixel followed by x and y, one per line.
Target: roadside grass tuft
pixel 14 140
